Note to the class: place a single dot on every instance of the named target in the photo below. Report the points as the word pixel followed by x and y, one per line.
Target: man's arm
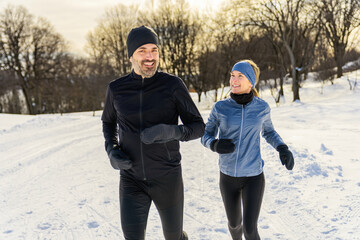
pixel 109 120
pixel 194 126
pixel 118 159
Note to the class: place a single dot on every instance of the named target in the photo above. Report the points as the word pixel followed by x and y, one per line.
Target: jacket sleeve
pixel 211 128
pixel 189 114
pixel 108 118
pixel 269 133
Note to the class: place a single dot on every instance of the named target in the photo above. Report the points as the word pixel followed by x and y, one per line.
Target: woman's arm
pixel 211 128
pixel 269 133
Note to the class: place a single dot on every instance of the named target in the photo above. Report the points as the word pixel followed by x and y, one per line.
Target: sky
pixel 73 19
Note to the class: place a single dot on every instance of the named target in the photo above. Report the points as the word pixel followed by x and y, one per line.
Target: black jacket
pixel 134 104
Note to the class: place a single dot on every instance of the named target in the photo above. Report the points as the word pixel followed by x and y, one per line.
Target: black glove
pixel 286 156
pixel 222 146
pixel 118 159
pixel 161 133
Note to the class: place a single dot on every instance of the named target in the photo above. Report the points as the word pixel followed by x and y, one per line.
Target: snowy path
pixel 56 181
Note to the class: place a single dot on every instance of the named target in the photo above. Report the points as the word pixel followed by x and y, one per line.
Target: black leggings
pixel 249 192
pixel 135 200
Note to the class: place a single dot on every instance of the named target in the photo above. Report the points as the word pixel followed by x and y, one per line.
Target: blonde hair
pixel 257 74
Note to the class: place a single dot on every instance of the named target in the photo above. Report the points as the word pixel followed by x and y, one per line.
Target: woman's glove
pixel 118 159
pixel 286 156
pixel 222 146
pixel 161 133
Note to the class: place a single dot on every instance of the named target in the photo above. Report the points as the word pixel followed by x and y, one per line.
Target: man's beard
pixel 144 71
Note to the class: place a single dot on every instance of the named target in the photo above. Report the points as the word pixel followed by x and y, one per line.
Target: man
pixel 146 105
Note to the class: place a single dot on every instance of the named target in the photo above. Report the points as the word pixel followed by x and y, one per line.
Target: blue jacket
pixel 242 124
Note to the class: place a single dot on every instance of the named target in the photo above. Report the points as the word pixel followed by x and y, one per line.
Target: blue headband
pixel 246 69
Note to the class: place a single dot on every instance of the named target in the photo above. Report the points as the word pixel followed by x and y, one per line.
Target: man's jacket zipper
pixel 141 128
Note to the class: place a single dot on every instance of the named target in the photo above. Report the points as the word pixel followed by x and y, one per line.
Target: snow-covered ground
pixel 56 181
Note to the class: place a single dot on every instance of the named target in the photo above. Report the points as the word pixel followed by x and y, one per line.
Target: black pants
pixel 136 196
pixel 245 191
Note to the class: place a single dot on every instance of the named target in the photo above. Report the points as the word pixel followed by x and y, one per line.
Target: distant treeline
pixel 287 39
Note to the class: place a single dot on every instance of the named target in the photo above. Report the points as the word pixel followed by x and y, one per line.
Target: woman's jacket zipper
pixel 240 136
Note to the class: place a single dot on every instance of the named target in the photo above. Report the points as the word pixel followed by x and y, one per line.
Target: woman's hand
pixel 222 146
pixel 286 156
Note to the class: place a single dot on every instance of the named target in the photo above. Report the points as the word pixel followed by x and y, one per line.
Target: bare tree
pixel 294 24
pixel 107 42
pixel 14 29
pixel 43 57
pixel 9 93
pixel 31 50
pixel 340 19
pixel 225 41
pixel 179 30
pixel 210 71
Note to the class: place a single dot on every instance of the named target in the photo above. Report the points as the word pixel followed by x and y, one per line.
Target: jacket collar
pixel 238 105
pixel 139 77
pixel 242 99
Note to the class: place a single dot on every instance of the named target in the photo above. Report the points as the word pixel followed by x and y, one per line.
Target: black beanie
pixel 140 36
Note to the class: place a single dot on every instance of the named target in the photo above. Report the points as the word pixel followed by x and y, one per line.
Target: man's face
pixel 145 60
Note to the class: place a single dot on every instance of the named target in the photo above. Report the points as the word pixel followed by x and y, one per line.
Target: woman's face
pixel 239 84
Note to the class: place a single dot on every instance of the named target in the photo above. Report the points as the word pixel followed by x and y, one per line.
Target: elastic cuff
pixel 182 132
pixel 109 146
pixel 282 147
pixel 213 145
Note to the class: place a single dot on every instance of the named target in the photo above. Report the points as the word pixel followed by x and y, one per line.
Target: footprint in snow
pixel 93 225
pixel 329 231
pixel 202 209
pixel 325 150
pixel 211 180
pixel 44 226
pixel 82 203
pixel 279 202
pixel 222 230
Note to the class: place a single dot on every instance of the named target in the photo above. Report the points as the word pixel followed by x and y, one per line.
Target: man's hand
pixel 118 159
pixel 161 133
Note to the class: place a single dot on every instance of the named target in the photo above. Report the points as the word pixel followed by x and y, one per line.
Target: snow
pixel 56 181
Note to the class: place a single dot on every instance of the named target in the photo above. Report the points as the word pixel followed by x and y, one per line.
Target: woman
pixel 238 122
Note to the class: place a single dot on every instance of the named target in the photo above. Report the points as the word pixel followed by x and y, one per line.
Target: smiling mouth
pixel 149 64
pixel 235 86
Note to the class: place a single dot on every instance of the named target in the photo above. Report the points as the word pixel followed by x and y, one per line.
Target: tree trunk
pixel 199 96
pixel 216 95
pixel 295 78
pixel 281 91
pixel 339 58
pixel 27 98
pixel 296 86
